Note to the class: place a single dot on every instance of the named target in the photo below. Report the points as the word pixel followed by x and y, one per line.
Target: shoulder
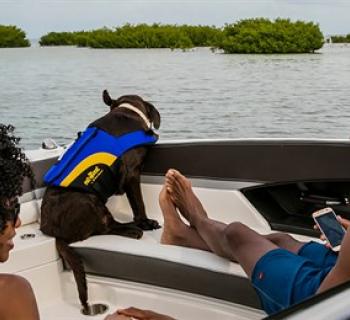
pixel 15 287
pixel 11 281
pixel 17 300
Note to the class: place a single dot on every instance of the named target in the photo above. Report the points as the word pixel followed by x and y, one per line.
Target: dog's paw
pixel 147 224
pixel 135 233
pixel 129 229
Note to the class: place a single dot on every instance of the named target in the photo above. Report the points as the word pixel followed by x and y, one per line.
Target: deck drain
pixel 27 236
pixel 95 309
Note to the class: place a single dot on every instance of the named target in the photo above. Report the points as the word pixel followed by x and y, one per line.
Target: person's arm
pixel 17 300
pixel 142 314
pixel 116 316
pixel 341 271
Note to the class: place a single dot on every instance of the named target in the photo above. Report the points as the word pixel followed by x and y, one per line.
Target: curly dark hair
pixel 14 167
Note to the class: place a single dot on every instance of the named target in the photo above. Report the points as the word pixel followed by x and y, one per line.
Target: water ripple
pixel 55 92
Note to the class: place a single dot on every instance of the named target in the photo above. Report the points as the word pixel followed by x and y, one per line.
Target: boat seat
pixel 148 261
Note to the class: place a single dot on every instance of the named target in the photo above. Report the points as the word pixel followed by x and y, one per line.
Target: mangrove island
pixel 258 35
pixel 341 39
pixel 12 37
pixel 265 36
pixel 138 36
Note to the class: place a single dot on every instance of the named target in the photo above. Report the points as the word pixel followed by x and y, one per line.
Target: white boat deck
pixel 120 294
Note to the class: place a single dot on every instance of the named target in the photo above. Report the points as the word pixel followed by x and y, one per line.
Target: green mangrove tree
pixel 246 36
pixel 138 36
pixel 12 37
pixel 341 39
pixel 264 36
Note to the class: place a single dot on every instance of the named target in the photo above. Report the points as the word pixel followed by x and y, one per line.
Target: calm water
pixel 55 92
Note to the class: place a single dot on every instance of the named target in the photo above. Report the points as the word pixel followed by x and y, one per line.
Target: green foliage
pixel 138 36
pixel 264 36
pixel 58 39
pixel 246 36
pixel 12 37
pixel 341 39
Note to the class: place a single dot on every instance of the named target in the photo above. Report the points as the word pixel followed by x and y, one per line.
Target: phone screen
pixel 331 228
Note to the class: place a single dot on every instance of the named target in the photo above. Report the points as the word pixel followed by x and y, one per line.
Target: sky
pixel 37 17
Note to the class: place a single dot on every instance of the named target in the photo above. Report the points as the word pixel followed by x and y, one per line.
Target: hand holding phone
pixel 329 225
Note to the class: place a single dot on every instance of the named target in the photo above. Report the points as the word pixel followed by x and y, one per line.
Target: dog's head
pixel 146 108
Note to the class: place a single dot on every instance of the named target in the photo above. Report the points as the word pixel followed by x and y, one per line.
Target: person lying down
pixel 283 270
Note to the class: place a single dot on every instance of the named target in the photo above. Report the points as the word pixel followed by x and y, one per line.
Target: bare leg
pixel 235 241
pixel 175 231
pixel 189 205
pixel 285 241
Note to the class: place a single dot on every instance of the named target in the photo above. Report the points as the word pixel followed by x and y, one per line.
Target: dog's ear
pixel 153 114
pixel 106 98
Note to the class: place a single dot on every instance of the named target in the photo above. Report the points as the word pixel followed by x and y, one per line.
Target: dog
pixel 74 203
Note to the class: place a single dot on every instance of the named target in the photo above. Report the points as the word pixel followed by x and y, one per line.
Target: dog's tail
pixel 75 263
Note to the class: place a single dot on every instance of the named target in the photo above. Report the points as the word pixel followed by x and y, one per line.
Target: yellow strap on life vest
pixel 94 159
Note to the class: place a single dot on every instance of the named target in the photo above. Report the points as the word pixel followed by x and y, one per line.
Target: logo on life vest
pixel 93 175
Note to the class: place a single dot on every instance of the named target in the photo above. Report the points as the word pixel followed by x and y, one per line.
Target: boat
pixel 269 184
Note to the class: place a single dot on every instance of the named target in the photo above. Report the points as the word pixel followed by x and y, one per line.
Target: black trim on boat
pixel 253 160
pixel 288 207
pixel 39 167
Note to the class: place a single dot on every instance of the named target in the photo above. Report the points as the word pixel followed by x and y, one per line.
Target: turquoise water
pixel 55 92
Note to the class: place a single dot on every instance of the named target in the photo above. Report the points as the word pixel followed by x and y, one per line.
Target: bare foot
pixel 173 225
pixel 181 193
pixel 175 231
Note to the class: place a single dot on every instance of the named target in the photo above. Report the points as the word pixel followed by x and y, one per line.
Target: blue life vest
pixel 91 163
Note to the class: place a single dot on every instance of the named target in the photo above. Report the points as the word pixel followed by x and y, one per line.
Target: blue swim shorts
pixel 282 278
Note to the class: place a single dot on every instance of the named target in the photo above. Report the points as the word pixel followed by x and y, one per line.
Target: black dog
pixel 73 207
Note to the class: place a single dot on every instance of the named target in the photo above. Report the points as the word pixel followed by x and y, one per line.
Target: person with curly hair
pixel 17 299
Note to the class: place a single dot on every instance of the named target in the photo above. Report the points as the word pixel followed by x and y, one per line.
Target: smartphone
pixel 329 225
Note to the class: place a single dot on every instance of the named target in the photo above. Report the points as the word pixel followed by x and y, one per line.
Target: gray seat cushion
pixel 174 267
